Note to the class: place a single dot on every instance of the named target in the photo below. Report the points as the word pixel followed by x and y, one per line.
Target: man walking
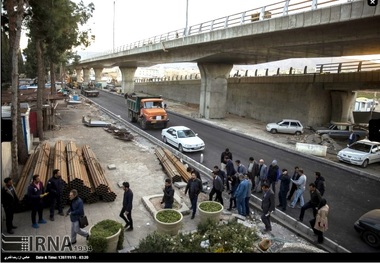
pixel 294 186
pixel 194 187
pixel 284 188
pixel 315 199
pixel 75 212
pixel 127 207
pixel 168 198
pixel 10 201
pixel 273 175
pixel 240 194
pixel 320 183
pixel 261 176
pixel 217 188
pixel 301 185
pixel 55 188
pixel 268 206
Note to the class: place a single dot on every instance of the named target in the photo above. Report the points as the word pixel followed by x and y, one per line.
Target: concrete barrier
pixel 314 149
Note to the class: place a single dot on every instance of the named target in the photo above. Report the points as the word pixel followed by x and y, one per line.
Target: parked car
pixel 182 138
pixel 368 226
pixel 361 153
pixel 343 130
pixel 286 126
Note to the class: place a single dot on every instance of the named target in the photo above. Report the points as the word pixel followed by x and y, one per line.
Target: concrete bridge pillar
pixel 79 74
pixel 127 75
pixel 213 97
pixel 341 108
pixel 86 75
pixel 98 74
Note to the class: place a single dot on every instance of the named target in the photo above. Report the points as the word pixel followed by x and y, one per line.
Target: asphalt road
pixel 349 194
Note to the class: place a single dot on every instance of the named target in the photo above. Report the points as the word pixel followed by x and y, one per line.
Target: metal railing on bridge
pixel 352 66
pixel 282 8
pixel 340 67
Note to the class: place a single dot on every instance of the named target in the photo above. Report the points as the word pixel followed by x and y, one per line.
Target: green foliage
pixel 168 216
pixel 210 237
pixel 101 231
pixel 210 206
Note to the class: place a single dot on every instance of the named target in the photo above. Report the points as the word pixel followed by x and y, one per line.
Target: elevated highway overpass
pixel 255 36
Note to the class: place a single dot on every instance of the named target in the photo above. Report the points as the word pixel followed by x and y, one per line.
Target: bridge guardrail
pixel 282 8
pixel 339 67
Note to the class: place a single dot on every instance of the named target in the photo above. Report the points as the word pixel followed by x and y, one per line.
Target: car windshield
pixel 186 134
pixel 361 147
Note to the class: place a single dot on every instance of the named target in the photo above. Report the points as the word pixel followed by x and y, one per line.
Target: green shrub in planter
pixel 168 216
pixel 100 232
pixel 210 206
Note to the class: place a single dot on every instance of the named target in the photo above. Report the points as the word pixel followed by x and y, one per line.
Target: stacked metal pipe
pixel 21 187
pixel 42 163
pixel 78 178
pixel 60 162
pixel 167 164
pixel 102 187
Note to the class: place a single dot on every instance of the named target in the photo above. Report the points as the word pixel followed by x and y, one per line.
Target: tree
pixel 15 12
pixel 54 29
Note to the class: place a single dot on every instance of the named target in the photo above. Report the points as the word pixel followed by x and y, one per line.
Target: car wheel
pixel 164 139
pixel 371 239
pixel 273 131
pixel 365 163
pixel 180 148
pixel 298 133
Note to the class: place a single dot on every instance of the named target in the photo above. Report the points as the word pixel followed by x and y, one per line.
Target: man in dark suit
pixel 268 206
pixel 10 201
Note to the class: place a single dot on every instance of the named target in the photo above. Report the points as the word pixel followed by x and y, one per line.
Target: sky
pixel 142 19
pixel 137 20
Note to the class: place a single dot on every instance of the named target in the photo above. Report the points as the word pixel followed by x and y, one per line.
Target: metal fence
pixel 282 8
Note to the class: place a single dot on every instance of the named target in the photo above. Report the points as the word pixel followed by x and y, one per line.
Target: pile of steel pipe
pixel 102 188
pixel 181 168
pixel 168 166
pixel 60 162
pixel 78 177
pixel 42 163
pixel 21 187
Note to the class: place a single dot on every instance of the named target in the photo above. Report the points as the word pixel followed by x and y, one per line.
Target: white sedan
pixel 361 153
pixel 182 138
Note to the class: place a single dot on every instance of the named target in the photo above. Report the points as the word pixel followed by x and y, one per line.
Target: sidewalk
pixel 136 163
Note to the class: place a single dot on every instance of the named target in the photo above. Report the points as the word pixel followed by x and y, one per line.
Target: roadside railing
pixel 352 66
pixel 342 67
pixel 282 8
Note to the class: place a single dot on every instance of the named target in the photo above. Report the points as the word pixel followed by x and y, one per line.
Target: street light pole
pixel 187 16
pixel 113 36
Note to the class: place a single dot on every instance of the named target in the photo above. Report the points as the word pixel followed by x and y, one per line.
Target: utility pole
pixel 187 16
pixel 113 36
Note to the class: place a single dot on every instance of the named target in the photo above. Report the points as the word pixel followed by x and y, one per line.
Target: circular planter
pixel 112 241
pixel 210 210
pixel 168 221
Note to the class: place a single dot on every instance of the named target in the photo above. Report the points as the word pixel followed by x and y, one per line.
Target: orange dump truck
pixel 147 110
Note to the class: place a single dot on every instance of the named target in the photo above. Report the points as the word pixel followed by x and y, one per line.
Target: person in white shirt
pixel 301 185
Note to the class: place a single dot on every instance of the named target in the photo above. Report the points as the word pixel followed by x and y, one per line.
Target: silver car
pixel 286 126
pixel 361 153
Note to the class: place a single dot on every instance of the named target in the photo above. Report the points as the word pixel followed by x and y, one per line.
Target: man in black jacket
pixel 127 207
pixel 10 201
pixel 320 183
pixel 194 187
pixel 54 188
pixel 315 199
pixel 168 198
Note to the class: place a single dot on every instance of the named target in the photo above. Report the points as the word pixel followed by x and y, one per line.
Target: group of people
pixel 240 181
pixel 36 194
